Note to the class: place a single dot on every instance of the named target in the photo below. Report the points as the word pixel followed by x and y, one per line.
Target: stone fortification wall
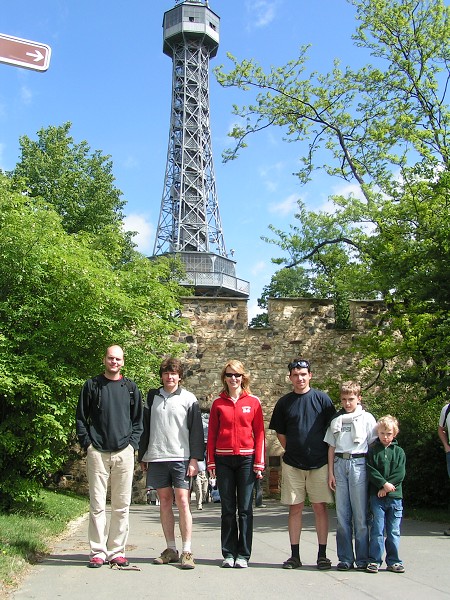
pixel 297 327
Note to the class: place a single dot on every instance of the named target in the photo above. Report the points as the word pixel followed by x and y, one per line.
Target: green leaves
pixel 71 286
pixel 384 128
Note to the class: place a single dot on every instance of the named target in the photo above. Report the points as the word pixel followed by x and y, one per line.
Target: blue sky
pixel 109 77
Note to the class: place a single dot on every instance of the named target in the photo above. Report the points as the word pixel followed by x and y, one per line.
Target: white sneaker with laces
pixel 228 563
pixel 241 563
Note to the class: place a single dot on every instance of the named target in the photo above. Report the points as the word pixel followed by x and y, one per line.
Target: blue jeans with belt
pixel 352 495
pixel 236 480
pixel 385 513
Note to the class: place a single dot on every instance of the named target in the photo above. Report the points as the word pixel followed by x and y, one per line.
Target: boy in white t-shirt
pixel 348 438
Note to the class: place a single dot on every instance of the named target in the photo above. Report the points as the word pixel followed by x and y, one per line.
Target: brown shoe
pixel 187 560
pixel 168 556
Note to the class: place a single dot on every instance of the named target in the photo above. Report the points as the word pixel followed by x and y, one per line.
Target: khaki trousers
pixel 108 542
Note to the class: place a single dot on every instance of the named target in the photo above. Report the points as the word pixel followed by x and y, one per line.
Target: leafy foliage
pixel 77 183
pixel 286 283
pixel 64 298
pixel 384 129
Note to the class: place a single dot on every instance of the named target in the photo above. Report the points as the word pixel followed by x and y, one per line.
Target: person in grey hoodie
pixel 169 451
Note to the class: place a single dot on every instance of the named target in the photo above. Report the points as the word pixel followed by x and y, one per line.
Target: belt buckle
pixel 346 455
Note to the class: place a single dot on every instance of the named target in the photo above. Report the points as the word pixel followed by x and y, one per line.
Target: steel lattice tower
pixel 189 222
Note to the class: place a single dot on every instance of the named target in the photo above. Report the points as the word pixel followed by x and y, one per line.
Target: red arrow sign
pixel 24 53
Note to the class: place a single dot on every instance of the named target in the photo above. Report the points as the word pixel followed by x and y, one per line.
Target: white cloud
pixel 272 175
pixel 258 268
pixel 288 206
pixel 263 11
pixel 26 94
pixel 145 231
pixel 345 189
pixel 253 309
pixel 130 162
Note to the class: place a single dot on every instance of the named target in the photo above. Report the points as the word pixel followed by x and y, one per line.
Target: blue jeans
pixel 386 513
pixel 351 510
pixel 236 480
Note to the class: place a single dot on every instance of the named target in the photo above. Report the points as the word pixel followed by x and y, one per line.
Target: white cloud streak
pixel 145 231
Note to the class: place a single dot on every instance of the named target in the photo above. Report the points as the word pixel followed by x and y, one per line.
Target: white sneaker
pixel 241 563
pixel 228 563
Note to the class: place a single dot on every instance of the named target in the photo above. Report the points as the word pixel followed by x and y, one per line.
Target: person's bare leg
pixel 182 502
pixel 321 517
pixel 166 514
pixel 295 522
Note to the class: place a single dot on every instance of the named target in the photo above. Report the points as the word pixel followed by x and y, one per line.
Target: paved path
pixel 424 550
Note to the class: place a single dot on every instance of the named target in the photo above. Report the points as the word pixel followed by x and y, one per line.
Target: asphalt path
pixel 424 549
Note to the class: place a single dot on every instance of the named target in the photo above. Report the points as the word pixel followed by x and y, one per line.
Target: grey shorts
pixel 170 473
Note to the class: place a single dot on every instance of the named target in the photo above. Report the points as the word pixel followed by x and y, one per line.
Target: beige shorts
pixel 296 484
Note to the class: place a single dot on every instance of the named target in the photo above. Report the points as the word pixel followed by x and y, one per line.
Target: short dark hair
pixel 171 365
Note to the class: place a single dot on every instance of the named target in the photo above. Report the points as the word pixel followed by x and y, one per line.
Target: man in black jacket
pixel 109 427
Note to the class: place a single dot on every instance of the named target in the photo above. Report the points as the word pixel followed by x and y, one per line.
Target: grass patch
pixel 432 515
pixel 27 532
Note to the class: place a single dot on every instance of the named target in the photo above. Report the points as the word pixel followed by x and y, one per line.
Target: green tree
pixel 62 302
pixel 76 182
pixel 285 283
pixel 385 128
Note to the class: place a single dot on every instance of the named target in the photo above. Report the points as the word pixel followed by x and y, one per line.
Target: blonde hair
pixel 390 422
pixel 237 366
pixel 350 387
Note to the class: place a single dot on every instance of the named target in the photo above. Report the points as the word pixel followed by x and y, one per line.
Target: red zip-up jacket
pixel 236 428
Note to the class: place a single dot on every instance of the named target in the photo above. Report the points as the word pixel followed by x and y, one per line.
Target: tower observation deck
pixel 189 221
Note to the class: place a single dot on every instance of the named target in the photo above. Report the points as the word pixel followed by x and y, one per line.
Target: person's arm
pixel 136 419
pixel 375 476
pixel 331 477
pixel 282 439
pixel 196 435
pixel 397 471
pixel 82 416
pixel 442 433
pixel 192 469
pixel 145 437
pixel 260 439
pixel 213 425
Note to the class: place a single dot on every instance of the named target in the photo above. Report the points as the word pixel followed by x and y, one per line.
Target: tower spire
pixel 189 222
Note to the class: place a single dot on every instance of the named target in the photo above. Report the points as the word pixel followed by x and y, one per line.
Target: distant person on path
pixel 170 448
pixel 201 485
pixel 443 433
pixel 386 463
pixel 109 426
pixel 348 438
pixel 300 420
pixel 235 455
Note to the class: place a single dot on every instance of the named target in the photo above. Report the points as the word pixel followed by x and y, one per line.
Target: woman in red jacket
pixel 235 455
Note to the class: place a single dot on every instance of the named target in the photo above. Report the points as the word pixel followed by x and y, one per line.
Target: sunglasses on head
pixel 298 364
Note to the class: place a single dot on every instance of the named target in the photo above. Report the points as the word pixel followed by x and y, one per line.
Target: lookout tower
pixel 189 221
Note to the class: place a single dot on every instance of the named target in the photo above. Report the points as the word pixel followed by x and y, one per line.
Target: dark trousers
pixel 236 480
